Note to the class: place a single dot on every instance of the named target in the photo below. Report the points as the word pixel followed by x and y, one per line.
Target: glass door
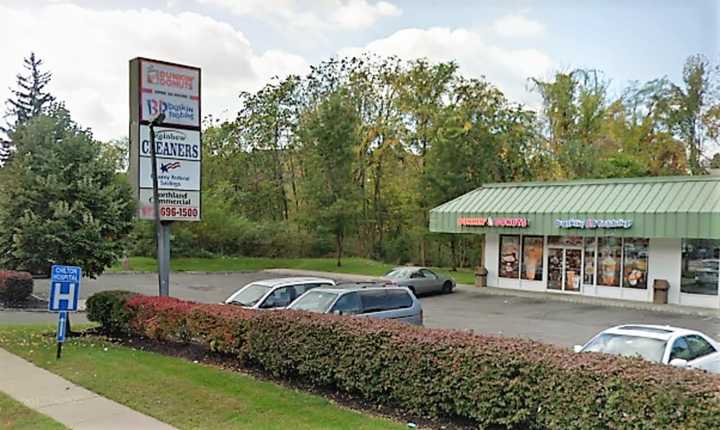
pixel 573 269
pixel 556 257
pixel 564 269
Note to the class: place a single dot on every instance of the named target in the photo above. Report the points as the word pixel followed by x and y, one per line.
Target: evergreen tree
pixel 28 100
pixel 66 204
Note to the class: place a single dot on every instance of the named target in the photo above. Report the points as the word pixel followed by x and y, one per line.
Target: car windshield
pixel 398 274
pixel 314 301
pixel 628 346
pixel 249 295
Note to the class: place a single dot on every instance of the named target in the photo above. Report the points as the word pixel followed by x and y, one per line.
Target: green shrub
pixel 15 287
pixel 493 381
pixel 108 309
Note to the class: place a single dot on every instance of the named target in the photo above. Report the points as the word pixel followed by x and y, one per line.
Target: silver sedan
pixel 420 280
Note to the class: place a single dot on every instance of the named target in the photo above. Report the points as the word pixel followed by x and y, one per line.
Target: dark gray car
pixel 420 280
pixel 373 300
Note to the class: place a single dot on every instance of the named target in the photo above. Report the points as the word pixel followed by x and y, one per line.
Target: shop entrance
pixel 564 268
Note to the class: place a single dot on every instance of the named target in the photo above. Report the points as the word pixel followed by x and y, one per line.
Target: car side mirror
pixel 678 362
pixel 577 348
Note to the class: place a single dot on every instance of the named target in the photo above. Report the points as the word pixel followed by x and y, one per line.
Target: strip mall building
pixel 604 238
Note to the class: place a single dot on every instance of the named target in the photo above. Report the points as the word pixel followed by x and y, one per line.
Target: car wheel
pixel 447 287
pixel 412 289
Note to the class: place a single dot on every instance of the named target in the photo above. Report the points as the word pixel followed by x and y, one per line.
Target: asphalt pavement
pixel 547 320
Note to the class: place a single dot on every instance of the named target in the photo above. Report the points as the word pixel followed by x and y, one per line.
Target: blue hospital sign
pixel 64 288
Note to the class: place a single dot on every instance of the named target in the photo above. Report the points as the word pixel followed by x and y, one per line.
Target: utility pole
pixel 162 228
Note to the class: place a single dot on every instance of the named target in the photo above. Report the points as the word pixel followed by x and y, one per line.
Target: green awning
pixel 670 207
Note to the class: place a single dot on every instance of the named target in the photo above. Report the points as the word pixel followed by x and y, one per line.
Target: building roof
pixel 673 207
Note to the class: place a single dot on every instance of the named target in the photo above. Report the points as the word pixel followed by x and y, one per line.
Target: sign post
pixel 64 295
pixel 165 149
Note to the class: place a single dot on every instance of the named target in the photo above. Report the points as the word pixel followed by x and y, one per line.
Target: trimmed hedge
pixel 15 287
pixel 108 309
pixel 493 381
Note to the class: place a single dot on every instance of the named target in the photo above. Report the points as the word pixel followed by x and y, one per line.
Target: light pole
pixel 162 229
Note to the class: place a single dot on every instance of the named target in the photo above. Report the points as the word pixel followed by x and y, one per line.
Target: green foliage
pixel 28 100
pixel 15 287
pixel 108 309
pixel 63 201
pixel 330 139
pixel 489 380
pixel 353 155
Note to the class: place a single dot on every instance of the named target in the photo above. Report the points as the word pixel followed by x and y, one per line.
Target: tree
pixel 28 100
pixel 65 204
pixel 694 109
pixel 421 92
pixel 574 109
pixel 330 139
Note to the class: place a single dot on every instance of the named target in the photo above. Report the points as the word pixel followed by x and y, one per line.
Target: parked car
pixel 661 344
pixel 275 293
pixel 366 299
pixel 420 280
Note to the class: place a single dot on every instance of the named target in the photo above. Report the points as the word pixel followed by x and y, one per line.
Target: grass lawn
pixel 179 392
pixel 359 266
pixel 16 416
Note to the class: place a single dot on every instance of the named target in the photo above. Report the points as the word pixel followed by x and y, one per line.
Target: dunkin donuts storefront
pixel 608 238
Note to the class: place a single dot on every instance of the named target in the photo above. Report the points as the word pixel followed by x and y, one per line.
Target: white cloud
pixel 508 68
pixel 88 52
pixel 312 15
pixel 517 26
pixel 361 14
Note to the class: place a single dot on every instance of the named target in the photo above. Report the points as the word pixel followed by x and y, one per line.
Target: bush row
pixel 15 287
pixel 493 381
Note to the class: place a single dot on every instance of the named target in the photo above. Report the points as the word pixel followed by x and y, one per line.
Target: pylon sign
pixel 174 90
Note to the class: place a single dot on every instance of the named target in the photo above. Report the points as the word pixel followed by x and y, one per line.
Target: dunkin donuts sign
pixel 507 222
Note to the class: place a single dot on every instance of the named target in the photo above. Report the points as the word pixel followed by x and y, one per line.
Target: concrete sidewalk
pixel 65 402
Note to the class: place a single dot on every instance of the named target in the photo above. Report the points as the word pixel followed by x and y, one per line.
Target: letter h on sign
pixel 64 288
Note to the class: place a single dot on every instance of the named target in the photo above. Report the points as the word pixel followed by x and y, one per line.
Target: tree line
pixel 354 155
pixel 350 158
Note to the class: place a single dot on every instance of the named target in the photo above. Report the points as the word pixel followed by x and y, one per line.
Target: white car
pixel 661 344
pixel 275 293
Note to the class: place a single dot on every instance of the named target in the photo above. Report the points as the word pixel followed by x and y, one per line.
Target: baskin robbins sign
pixel 504 222
pixel 594 223
pixel 174 90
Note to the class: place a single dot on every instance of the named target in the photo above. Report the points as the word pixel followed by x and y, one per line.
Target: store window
pixel 700 261
pixel 565 240
pixel 609 261
pixel 509 257
pixel 532 258
pixel 635 264
pixel 589 270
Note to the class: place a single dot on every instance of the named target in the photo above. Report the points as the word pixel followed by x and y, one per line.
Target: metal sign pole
pixel 162 230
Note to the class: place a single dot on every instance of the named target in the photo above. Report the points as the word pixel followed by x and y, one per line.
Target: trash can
pixel 661 287
pixel 480 277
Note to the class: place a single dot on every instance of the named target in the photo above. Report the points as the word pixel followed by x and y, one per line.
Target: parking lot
pixel 559 322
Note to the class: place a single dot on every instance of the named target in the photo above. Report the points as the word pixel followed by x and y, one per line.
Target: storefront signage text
pixel 516 222
pixel 592 223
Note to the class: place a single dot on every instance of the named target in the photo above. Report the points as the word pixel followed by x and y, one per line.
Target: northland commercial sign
pixel 173 89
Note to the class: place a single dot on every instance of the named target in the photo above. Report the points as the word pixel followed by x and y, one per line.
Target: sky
pixel 241 44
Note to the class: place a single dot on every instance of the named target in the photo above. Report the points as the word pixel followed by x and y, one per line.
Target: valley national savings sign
pixel 506 222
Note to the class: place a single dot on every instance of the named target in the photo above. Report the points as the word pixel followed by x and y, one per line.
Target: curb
pixel 184 272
